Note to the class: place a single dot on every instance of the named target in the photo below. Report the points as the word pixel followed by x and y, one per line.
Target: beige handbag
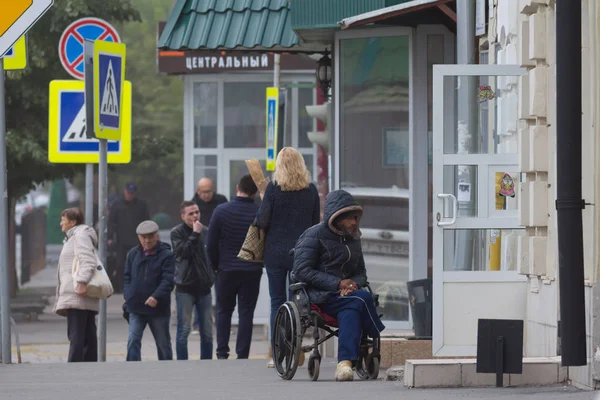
pixel 99 286
pixel 254 245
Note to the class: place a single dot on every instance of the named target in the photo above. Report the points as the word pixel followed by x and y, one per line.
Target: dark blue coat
pixel 227 232
pixel 323 256
pixel 285 215
pixel 149 276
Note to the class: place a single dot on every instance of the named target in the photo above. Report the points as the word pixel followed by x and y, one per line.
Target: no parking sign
pixel 70 48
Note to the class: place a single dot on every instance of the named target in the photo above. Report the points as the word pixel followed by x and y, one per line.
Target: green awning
pixel 258 25
pixel 317 20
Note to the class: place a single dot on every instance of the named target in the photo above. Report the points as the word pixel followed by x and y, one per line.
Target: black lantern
pixel 324 74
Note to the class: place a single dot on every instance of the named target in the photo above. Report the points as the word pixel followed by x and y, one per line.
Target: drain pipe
pixel 569 202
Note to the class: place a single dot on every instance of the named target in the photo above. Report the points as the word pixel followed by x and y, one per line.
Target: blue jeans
pixel 278 291
pixel 186 303
pixel 159 326
pixel 355 314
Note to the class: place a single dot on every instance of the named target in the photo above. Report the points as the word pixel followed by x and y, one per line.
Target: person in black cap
pixel 125 215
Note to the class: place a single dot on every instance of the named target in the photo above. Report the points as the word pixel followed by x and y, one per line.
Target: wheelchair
pixel 293 319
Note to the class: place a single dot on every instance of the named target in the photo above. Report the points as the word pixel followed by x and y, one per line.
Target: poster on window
pixel 395 147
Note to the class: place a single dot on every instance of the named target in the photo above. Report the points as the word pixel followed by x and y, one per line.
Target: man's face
pixel 129 196
pixel 149 241
pixel 205 190
pixel 350 226
pixel 190 215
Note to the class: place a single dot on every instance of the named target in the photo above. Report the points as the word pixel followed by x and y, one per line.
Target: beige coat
pixel 81 242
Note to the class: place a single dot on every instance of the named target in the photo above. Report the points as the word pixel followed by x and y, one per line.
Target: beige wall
pixel 526 36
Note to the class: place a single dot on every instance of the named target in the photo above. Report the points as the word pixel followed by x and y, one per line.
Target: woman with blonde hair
pixel 289 207
pixel 72 300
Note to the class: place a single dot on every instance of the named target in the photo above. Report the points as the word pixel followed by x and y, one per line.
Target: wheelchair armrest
pixel 297 286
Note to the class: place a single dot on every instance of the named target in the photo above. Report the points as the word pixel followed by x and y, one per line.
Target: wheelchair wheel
pixel 314 365
pixel 287 340
pixel 367 365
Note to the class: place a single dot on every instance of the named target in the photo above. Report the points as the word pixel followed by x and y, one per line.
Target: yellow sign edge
pixel 56 157
pixel 118 49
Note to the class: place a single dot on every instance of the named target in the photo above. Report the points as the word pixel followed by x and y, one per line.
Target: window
pixel 206 101
pixel 205 166
pixel 374 158
pixel 245 123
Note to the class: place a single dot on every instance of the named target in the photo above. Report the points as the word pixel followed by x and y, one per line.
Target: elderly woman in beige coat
pixel 71 299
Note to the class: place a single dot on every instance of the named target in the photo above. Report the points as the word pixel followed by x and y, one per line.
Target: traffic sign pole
pixel 102 191
pixel 4 270
pixel 102 185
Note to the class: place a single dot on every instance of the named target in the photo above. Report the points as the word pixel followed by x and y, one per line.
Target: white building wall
pixel 529 31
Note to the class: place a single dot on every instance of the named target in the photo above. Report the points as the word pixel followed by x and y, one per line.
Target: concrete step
pixel 451 373
pixel 395 351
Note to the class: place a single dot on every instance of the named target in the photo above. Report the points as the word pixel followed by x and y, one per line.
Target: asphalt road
pixel 229 379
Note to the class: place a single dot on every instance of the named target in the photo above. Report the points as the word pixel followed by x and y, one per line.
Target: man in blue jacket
pixel 148 286
pixel 236 279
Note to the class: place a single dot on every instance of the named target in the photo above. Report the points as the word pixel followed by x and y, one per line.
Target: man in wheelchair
pixel 328 259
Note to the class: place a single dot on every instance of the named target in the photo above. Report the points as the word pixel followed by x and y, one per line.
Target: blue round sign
pixel 70 47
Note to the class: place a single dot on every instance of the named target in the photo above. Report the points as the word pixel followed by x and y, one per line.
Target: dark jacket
pixel 207 209
pixel 124 218
pixel 285 215
pixel 323 256
pixel 149 275
pixel 192 272
pixel 227 232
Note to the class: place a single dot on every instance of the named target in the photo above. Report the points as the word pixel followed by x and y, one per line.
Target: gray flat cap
pixel 147 228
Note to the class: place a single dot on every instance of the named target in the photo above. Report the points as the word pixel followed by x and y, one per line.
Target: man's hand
pixel 81 288
pixel 151 302
pixel 347 286
pixel 197 227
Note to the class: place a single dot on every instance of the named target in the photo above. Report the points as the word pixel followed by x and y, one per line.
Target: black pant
pixel 81 331
pixel 245 286
pixel 118 276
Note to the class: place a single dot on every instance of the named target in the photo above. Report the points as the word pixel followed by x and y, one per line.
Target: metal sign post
pixel 4 270
pixel 108 83
pixel 89 112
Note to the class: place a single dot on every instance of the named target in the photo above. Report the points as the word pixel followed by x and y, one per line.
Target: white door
pixel 476 184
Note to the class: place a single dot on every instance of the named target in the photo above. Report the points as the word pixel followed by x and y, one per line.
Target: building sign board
pixel 202 62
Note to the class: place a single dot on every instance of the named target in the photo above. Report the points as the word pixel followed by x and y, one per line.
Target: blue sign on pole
pixel 109 77
pixel 272 125
pixel 110 90
pixel 67 139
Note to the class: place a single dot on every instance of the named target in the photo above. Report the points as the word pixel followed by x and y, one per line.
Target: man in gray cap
pixel 148 285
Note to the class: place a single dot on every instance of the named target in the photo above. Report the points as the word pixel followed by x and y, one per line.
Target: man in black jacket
pixel 237 280
pixel 207 199
pixel 328 258
pixel 193 280
pixel 125 215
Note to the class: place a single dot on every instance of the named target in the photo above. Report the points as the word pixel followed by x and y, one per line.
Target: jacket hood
pixel 85 231
pixel 337 203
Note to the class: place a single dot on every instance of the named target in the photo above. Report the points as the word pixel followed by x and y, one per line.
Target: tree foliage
pixel 157 159
pixel 27 90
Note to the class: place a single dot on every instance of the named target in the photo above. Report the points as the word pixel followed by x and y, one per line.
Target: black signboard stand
pixel 500 347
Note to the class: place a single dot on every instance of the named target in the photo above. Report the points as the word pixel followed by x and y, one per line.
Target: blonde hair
pixel 290 170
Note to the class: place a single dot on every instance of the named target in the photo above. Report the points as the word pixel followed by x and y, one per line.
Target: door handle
pixel 454 208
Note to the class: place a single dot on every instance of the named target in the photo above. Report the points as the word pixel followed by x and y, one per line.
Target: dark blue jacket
pixel 323 256
pixel 228 228
pixel 285 215
pixel 147 276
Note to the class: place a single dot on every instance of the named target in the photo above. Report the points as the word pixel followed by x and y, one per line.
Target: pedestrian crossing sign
pixel 109 78
pixel 67 139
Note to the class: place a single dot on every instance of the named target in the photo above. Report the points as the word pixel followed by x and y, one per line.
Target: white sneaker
pixel 271 363
pixel 343 372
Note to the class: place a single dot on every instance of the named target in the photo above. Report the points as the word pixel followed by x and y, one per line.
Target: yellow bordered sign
pixel 67 140
pixel 109 78
pixel 272 125
pixel 16 57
